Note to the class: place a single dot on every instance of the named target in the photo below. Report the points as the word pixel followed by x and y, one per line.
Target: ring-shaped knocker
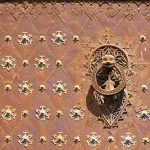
pixel 114 90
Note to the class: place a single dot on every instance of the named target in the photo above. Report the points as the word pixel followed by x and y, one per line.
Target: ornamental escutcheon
pixel 108 68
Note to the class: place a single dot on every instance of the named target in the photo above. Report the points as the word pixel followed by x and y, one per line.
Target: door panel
pixel 52 53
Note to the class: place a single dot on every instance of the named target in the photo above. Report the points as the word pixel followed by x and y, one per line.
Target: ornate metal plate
pixel 74 75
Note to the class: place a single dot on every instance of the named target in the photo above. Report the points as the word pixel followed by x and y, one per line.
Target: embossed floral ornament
pixel 25 39
pixel 93 139
pixel 110 11
pixel 25 139
pixel 59 88
pixel 146 13
pixel 8 63
pixel 54 11
pixel 25 88
pixel 59 139
pixel 76 113
pixel 41 62
pixel 128 140
pixel 130 12
pixel 42 113
pixel 144 114
pixel 8 113
pixel 59 38
pixel 74 10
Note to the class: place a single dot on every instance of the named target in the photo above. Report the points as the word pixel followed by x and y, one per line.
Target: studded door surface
pixel 74 75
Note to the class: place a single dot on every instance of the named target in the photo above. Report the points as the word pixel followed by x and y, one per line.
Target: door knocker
pixel 109 66
pixel 108 78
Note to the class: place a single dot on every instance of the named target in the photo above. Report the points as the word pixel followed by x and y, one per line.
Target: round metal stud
pixel 8 138
pixel 8 38
pixel 42 38
pixel 142 38
pixel 25 63
pixel 145 140
pixel 42 139
pixel 25 113
pixel 59 113
pixel 110 139
pixel 8 87
pixel 144 88
pixel 75 38
pixel 76 139
pixel 58 63
pixel 76 88
pixel 42 88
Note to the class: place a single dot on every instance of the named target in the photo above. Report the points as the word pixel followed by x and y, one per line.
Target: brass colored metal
pixel 59 88
pixel 58 63
pixel 42 88
pixel 75 38
pixel 8 113
pixel 59 113
pixel 76 139
pixel 42 139
pixel 25 63
pixel 8 63
pixel 8 138
pixel 42 38
pixel 76 88
pixel 25 88
pixel 8 87
pixel 25 39
pixel 24 114
pixel 142 38
pixel 145 140
pixel 8 38
pixel 25 139
pixel 59 139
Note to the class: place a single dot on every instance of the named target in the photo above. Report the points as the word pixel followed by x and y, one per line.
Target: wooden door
pixel 54 91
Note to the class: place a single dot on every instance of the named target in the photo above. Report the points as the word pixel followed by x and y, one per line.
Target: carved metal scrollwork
pixel 109 66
